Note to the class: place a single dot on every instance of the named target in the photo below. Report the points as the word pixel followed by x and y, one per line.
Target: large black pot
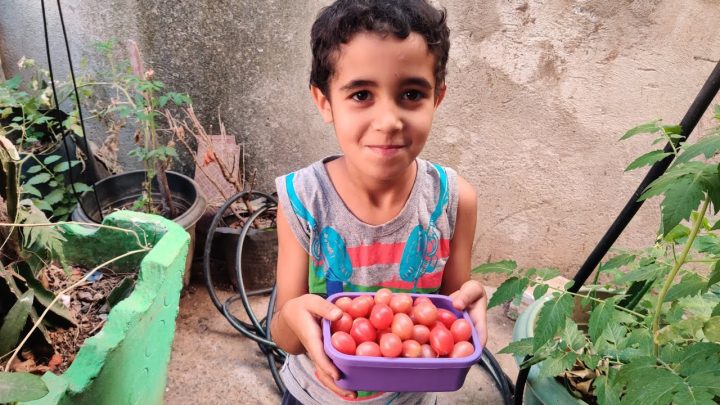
pixel 118 191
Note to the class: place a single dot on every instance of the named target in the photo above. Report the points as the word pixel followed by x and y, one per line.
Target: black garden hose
pixel 259 330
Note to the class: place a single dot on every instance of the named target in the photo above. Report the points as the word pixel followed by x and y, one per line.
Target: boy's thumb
pixel 326 309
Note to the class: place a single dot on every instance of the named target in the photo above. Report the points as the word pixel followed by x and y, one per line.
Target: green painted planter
pixel 126 362
pixel 539 390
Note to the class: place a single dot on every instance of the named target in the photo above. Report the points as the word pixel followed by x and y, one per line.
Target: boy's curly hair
pixel 337 23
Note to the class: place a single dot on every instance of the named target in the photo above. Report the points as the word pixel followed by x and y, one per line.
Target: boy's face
pixel 381 101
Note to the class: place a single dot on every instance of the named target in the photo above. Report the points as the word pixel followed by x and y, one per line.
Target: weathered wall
pixel 539 94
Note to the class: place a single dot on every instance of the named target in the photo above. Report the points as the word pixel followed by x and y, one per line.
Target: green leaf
pixel 31 190
pixel 612 340
pixel 690 284
pixel 64 166
pixel 618 261
pixel 557 364
pixel 700 358
pixel 539 291
pixel 14 322
pixel 711 329
pixel 551 318
pixel 42 204
pixel 547 273
pixel 648 384
pixel 715 275
pixel 606 389
pixel 38 179
pixel 508 290
pixel 716 310
pixel 647 128
pixel 708 146
pixel 51 159
pixel 572 336
pixel 648 159
pixel 679 232
pixel 647 272
pixel 521 347
pixel 34 169
pixel 502 267
pixel 600 317
pixel 55 196
pixel 681 200
pixel 21 387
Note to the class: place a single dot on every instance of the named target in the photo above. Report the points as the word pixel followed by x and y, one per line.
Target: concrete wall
pixel 539 93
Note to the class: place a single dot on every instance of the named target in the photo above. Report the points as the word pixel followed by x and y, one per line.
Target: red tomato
pixel 462 349
pixel 370 349
pixel 362 331
pixel 343 342
pixel 425 313
pixel 383 296
pixel 428 352
pixel 421 333
pixel 380 333
pixel 344 303
pixel 402 326
pixel 401 303
pixel 360 306
pixel 390 345
pixel 343 324
pixel 381 316
pixel 442 341
pixel 411 348
pixel 461 330
pixel 445 316
pixel 420 300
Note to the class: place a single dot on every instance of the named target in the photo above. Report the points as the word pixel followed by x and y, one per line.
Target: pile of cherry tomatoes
pixel 394 325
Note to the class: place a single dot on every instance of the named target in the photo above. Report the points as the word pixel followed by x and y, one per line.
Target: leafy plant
pixel 654 325
pixel 134 97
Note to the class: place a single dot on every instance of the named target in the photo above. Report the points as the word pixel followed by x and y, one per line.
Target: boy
pixel 377 215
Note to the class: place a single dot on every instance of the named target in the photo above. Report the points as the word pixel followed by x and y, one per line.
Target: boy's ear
pixel 322 103
pixel 441 95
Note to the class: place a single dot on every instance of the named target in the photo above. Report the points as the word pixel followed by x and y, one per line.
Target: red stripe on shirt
pixel 387 253
pixel 432 280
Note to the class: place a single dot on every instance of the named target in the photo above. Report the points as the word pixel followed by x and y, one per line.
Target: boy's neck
pixel 373 201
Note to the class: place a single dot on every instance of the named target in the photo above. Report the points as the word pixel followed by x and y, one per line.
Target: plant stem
pixel 674 271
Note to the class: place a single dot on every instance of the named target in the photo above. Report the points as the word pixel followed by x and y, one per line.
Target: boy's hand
pixel 471 296
pixel 301 316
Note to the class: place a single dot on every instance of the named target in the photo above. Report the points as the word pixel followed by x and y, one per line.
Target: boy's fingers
pixel 468 294
pixel 329 383
pixel 323 308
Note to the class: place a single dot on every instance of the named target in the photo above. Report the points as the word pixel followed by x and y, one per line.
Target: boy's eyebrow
pixel 415 81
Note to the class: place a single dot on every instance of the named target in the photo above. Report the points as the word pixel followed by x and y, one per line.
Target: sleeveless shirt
pixel 407 253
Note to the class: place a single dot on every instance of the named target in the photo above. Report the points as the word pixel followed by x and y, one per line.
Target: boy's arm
pixel 294 327
pixel 466 293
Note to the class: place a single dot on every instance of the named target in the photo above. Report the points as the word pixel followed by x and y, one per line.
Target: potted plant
pixel 652 335
pixel 45 137
pixel 126 361
pixel 136 99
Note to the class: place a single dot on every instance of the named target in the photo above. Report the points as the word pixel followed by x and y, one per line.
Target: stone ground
pixel 211 363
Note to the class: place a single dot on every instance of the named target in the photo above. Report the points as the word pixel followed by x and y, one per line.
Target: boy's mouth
pixel 386 150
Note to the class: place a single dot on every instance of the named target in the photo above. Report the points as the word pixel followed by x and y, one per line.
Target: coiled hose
pixel 259 330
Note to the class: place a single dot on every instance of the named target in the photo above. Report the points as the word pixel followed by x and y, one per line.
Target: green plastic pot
pixel 539 390
pixel 126 362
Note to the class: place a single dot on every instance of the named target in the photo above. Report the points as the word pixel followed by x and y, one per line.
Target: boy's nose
pixel 388 120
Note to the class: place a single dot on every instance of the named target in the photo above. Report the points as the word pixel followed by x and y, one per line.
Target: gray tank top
pixel 407 253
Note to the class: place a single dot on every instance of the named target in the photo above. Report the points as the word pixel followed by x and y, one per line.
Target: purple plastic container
pixel 360 373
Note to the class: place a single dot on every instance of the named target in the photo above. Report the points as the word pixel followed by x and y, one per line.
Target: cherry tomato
pixel 343 324
pixel 343 303
pixel 362 331
pixel 442 341
pixel 402 326
pixel 380 333
pixel 381 316
pixel 411 348
pixel 360 306
pixel 370 349
pixel 425 313
pixel 428 352
pixel 420 300
pixel 462 349
pixel 401 303
pixel 445 316
pixel 383 296
pixel 461 330
pixel 390 345
pixel 343 342
pixel 421 333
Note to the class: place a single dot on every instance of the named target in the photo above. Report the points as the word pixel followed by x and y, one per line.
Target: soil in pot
pixel 89 304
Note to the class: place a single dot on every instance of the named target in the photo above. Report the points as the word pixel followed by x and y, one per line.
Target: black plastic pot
pixel 118 191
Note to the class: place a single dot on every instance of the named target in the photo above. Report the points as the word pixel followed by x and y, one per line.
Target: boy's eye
pixel 413 95
pixel 361 95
